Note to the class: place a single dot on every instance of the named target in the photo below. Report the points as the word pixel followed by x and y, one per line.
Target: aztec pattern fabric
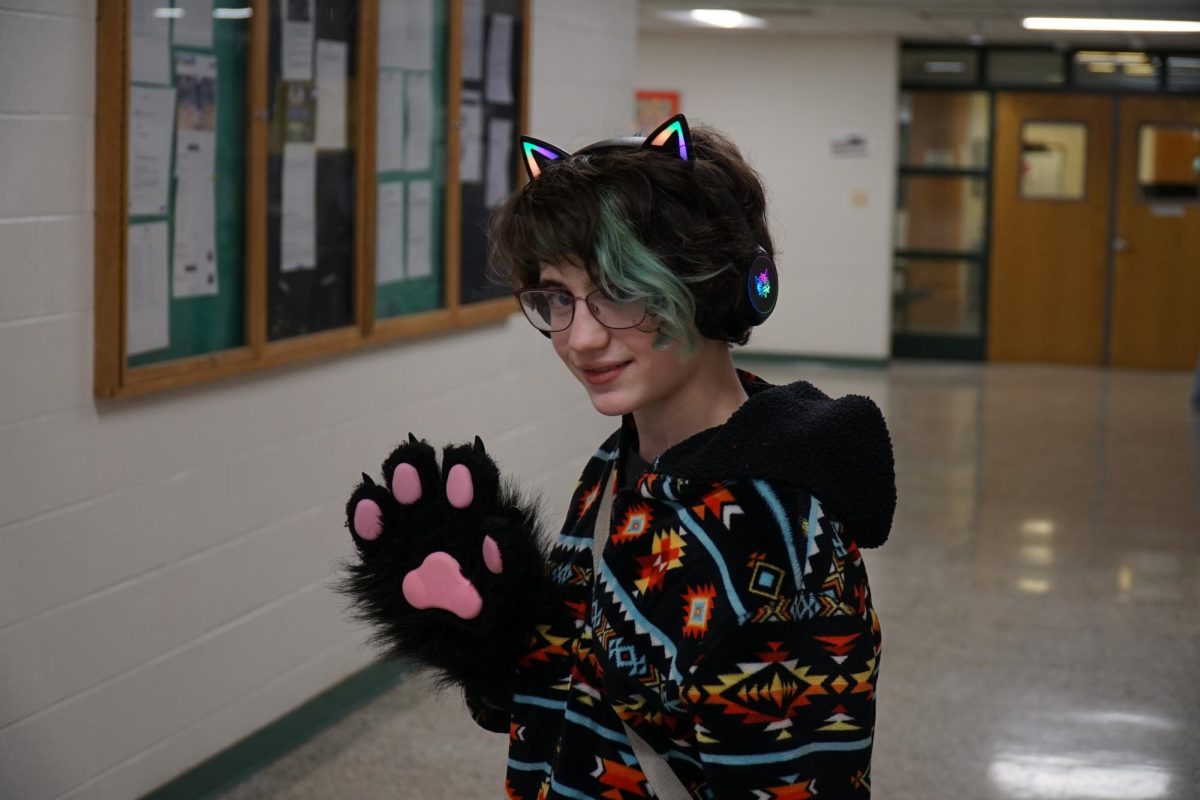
pixel 729 624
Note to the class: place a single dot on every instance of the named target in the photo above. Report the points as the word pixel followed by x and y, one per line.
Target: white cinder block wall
pixel 164 561
pixel 782 99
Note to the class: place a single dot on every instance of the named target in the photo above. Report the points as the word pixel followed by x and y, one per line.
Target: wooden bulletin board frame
pixel 113 376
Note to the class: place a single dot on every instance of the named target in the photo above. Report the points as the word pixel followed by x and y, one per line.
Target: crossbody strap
pixel 659 775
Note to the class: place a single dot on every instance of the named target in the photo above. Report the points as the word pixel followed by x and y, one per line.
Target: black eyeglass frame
pixel 574 302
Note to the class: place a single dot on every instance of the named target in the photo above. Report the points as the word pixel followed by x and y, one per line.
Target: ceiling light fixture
pixel 1112 25
pixel 719 17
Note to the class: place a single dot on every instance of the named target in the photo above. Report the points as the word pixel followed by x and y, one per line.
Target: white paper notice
pixel 298 40
pixel 149 43
pixel 389 233
pixel 151 111
pixel 420 233
pixel 499 178
pixel 331 94
pixel 389 134
pixel 194 256
pixel 391 33
pixel 472 65
pixel 470 160
pixel 418 34
pixel 498 86
pixel 146 315
pixel 298 236
pixel 194 25
pixel 419 114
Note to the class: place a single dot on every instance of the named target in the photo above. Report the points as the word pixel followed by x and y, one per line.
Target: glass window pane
pixel 939 66
pixel 311 167
pixel 1183 72
pixel 1169 162
pixel 944 213
pixel 187 185
pixel 1053 160
pixel 937 296
pixel 944 129
pixel 410 157
pixel 1026 67
pixel 1102 69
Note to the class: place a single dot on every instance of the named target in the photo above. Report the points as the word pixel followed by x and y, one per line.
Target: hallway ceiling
pixel 998 21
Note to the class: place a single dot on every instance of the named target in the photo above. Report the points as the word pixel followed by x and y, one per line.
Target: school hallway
pixel 1039 597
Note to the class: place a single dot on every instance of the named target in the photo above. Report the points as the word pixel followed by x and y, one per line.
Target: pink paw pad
pixel 368 520
pixel 406 484
pixel 439 583
pixel 491 556
pixel 460 490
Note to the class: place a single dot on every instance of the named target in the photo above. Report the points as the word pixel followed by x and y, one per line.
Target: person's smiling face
pixel 643 376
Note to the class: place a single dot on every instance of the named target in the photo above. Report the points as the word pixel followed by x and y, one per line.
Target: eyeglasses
pixel 553 310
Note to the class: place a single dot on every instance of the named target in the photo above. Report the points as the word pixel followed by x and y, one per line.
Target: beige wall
pixel 164 561
pixel 782 99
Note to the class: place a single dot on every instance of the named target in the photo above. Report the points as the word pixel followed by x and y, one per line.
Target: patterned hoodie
pixel 729 622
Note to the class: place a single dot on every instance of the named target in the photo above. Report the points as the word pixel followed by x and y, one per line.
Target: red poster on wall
pixel 652 108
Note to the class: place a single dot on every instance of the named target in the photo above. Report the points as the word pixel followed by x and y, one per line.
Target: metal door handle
pixel 1120 245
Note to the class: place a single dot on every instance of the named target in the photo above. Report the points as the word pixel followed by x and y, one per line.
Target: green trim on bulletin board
pixel 413 295
pixel 256 751
pixel 199 325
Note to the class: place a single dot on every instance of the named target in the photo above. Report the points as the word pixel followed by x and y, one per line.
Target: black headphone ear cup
pixel 760 290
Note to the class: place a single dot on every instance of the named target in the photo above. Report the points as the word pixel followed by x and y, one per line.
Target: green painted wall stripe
pixel 257 750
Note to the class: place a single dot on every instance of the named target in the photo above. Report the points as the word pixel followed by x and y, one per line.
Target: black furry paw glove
pixel 451 571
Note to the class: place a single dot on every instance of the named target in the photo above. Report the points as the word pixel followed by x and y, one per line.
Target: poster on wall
pixel 652 108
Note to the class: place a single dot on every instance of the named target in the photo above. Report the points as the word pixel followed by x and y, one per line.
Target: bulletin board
pixel 492 110
pixel 311 171
pixel 282 180
pixel 410 156
pixel 186 153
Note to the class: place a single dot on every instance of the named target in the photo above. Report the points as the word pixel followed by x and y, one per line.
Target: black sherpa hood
pixel 796 435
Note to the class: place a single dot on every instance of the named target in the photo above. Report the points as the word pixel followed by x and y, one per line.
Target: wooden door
pixel 1049 253
pixel 1156 280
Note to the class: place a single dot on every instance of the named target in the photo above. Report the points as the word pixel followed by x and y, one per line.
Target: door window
pixel 1053 160
pixel 1169 163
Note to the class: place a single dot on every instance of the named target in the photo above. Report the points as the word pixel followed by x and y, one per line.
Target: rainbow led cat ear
pixel 538 154
pixel 672 137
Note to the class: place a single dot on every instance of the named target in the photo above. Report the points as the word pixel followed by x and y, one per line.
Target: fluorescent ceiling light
pixel 721 17
pixel 168 13
pixel 233 13
pixel 1118 25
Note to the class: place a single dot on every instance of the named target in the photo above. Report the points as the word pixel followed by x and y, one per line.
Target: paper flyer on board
pixel 194 23
pixel 298 227
pixel 498 86
pixel 147 320
pixel 499 152
pixel 389 233
pixel 419 255
pixel 149 43
pixel 418 143
pixel 473 19
pixel 151 112
pixel 331 94
pixel 389 131
pixel 297 47
pixel 194 264
pixel 470 159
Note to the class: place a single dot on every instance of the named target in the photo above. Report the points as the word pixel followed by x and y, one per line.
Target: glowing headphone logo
pixel 763 285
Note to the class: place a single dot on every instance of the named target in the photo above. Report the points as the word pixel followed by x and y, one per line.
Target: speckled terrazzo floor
pixel 1040 602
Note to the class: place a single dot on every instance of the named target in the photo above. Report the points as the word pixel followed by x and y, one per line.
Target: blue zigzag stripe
pixel 786 755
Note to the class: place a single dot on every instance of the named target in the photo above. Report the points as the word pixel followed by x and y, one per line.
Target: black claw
pixel 479 445
pixel 367 479
pixel 411 439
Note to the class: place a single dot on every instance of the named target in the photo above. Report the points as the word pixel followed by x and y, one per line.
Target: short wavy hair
pixel 643 224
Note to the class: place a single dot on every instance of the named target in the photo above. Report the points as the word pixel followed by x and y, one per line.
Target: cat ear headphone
pixel 759 277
